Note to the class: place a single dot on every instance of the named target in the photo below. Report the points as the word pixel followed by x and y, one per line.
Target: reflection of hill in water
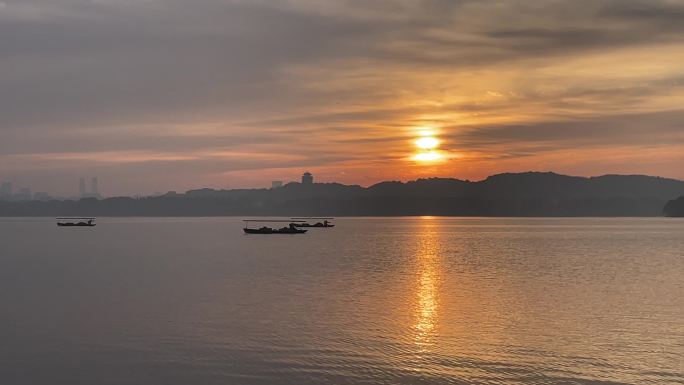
pixel 524 194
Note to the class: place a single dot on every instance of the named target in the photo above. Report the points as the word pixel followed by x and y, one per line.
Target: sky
pixel 157 95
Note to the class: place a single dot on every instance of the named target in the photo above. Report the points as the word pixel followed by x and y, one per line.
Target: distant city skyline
pixel 83 191
pixel 8 191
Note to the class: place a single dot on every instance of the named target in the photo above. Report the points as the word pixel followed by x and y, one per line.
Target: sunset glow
pixel 319 192
pixel 427 143
pixel 584 90
pixel 430 156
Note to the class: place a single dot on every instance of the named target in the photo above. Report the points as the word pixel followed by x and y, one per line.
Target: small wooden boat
pixel 317 224
pixel 289 229
pixel 77 222
pixel 325 222
pixel 269 230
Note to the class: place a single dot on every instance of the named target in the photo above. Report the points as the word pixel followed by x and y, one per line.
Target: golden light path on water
pixel 428 282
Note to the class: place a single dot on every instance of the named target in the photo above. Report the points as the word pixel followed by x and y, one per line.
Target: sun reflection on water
pixel 427 286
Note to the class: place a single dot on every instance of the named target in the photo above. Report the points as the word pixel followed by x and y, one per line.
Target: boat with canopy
pixel 76 221
pixel 305 223
pixel 291 228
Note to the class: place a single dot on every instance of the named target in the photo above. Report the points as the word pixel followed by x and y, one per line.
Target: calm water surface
pixel 373 301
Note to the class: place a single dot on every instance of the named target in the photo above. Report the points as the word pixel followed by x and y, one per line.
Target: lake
pixel 420 300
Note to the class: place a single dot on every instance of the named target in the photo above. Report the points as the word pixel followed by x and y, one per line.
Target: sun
pixel 427 143
pixel 428 149
pixel 429 156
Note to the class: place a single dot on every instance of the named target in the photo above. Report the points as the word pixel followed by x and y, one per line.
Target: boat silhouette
pixel 289 229
pixel 82 222
pixel 317 224
pixel 325 222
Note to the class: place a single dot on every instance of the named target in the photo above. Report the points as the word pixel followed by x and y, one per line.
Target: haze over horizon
pixel 154 95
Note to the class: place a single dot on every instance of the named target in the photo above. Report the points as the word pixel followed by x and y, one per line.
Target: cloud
pixel 334 86
pixel 656 11
pixel 663 128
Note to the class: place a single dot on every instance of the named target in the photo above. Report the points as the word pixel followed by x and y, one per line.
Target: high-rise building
pixel 94 188
pixel 276 184
pixel 41 196
pixel 24 194
pixel 307 178
pixel 81 187
pixel 6 191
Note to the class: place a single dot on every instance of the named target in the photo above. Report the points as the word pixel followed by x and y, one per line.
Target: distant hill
pixel 521 194
pixel 675 207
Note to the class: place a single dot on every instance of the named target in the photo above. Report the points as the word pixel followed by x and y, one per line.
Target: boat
pixel 269 230
pixel 77 222
pixel 325 222
pixel 289 229
pixel 317 224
